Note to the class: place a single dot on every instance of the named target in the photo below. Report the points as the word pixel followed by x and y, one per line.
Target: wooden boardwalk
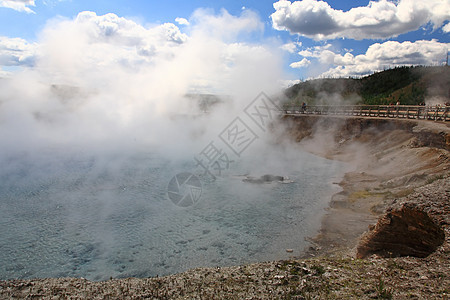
pixel 434 113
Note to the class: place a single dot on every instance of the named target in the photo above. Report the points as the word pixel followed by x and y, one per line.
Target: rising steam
pixel 107 83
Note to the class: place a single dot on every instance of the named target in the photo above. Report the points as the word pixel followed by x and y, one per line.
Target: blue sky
pixel 317 38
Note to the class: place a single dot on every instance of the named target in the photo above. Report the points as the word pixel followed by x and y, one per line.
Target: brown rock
pixel 408 231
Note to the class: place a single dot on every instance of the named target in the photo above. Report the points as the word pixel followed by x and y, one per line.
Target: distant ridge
pixel 407 85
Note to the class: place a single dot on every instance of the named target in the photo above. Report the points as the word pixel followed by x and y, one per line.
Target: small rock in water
pixel 289 250
pixel 264 179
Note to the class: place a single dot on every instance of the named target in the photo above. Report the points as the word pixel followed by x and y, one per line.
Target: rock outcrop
pixel 413 226
pixel 407 231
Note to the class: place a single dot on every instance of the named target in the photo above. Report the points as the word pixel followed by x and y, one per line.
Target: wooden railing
pixel 436 113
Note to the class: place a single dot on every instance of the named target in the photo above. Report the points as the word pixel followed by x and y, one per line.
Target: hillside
pixel 408 85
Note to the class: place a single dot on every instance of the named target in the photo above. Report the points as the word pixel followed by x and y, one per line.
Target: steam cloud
pixel 107 83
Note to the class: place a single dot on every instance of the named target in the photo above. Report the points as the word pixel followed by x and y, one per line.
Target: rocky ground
pixel 401 179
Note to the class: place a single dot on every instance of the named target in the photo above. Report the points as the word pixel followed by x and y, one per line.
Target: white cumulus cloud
pixel 19 5
pixel 446 28
pixel 379 19
pixel 300 64
pixel 380 56
pixel 182 21
pixel 16 52
pixel 291 47
pixel 97 42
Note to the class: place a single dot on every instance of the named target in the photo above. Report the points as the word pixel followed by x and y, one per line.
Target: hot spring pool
pixel 84 216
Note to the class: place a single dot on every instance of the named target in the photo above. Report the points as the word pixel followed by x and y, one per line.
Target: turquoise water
pixel 79 215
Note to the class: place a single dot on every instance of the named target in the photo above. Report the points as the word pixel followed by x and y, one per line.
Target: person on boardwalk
pixel 303 107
